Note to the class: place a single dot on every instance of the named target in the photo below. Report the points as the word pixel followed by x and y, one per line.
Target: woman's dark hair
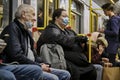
pixel 108 6
pixel 57 13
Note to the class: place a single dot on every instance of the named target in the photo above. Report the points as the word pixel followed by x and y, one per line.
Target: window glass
pixel 64 4
pixel 51 9
pixel 94 22
pixel 4 13
pixel 76 16
pixel 40 13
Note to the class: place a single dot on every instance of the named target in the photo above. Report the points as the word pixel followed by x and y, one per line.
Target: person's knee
pixel 98 67
pixel 66 75
pixel 54 78
pixel 36 71
pixel 37 68
pixel 7 75
pixel 51 77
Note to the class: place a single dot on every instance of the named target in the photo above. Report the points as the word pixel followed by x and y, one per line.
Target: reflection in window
pixel 76 9
pixel 51 9
pixel 40 13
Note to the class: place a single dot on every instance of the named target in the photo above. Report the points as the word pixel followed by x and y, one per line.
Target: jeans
pixel 56 74
pixel 99 70
pixel 24 72
pixel 6 75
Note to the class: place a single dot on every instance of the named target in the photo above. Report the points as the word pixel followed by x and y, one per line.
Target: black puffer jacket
pixel 53 34
pixel 16 49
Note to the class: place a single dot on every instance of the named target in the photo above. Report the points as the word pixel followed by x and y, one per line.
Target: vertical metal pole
pixel 70 2
pixel 45 13
pixel 56 4
pixel 90 30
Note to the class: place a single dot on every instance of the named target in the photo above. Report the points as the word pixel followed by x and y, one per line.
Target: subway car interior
pixel 85 16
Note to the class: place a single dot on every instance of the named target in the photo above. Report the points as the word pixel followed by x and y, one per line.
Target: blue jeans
pixel 24 72
pixel 56 74
pixel 99 70
pixel 6 75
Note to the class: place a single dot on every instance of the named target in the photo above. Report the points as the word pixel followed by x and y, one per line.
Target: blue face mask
pixel 29 24
pixel 65 20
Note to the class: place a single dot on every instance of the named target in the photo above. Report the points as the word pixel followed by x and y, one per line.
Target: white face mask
pixel 29 24
pixel 65 20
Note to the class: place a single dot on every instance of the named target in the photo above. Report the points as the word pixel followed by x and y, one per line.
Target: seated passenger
pixel 20 44
pixel 56 33
pixel 96 51
pixel 99 43
pixel 99 57
pixel 12 72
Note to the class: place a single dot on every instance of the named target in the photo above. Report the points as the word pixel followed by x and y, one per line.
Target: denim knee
pixel 49 76
pixel 98 67
pixel 53 77
pixel 6 75
pixel 37 72
pixel 66 75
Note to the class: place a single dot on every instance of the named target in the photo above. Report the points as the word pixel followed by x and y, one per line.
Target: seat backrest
pixel 54 55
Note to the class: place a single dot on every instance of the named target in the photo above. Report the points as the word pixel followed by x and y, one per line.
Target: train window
pixel 94 22
pixel 76 16
pixel 1 12
pixel 51 9
pixel 26 1
pixel 64 4
pixel 4 13
pixel 40 13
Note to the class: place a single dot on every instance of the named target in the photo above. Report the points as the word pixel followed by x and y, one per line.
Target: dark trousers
pixel 112 58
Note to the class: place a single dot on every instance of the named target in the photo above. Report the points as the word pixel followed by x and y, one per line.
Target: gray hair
pixel 21 8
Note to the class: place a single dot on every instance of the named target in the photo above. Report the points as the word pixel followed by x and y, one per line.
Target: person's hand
pixel 81 39
pixel 108 64
pixel 45 67
pixel 105 60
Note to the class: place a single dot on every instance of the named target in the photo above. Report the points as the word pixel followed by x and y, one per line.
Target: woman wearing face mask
pixel 57 33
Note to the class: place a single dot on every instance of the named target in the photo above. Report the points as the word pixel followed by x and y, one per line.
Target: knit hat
pixel 103 40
